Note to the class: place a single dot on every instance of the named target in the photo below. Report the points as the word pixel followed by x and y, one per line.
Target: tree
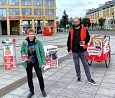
pixel 86 22
pixel 101 22
pixel 64 21
pixel 95 24
pixel 70 21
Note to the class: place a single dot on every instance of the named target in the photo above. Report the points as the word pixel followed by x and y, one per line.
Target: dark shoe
pixel 93 82
pixel 44 93
pixel 30 95
pixel 79 80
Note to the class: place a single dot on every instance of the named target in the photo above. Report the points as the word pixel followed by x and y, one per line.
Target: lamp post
pixel 36 23
pixel 113 20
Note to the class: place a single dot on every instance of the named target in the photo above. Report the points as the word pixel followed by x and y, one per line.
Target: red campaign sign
pixel 53 63
pixel 8 59
pixel 8 62
pixel 91 20
pixel 8 66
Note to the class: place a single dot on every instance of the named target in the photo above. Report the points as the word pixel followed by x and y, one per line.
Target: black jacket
pixel 76 40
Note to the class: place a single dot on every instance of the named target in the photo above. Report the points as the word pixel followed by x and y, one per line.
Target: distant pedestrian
pixel 77 45
pixel 18 33
pixel 33 50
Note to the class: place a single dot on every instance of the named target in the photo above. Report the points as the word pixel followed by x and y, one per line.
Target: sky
pixel 76 8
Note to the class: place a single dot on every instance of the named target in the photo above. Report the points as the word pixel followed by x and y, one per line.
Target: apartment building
pixel 105 11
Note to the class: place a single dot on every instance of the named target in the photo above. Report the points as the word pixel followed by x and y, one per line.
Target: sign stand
pixel 9 53
pixel 51 56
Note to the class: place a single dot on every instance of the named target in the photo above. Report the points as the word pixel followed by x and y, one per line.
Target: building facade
pixel 103 11
pixel 15 13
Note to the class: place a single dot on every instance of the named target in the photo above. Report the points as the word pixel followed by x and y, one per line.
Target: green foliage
pixel 64 20
pixel 101 22
pixel 86 22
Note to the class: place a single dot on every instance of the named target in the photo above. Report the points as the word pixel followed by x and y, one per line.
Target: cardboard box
pixel 98 41
pixel 97 37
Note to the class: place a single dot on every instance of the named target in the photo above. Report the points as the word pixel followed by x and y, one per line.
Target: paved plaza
pixel 60 81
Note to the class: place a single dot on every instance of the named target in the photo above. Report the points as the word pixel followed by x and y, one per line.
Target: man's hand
pixel 70 52
pixel 82 43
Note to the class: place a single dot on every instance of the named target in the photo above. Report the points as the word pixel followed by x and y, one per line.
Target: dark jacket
pixel 76 40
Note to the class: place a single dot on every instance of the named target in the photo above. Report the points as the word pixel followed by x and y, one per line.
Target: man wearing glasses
pixel 77 45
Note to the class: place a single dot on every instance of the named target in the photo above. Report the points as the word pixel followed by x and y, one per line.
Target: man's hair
pixel 30 30
pixel 77 18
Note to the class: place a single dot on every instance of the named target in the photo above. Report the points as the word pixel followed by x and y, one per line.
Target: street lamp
pixel 36 23
pixel 113 20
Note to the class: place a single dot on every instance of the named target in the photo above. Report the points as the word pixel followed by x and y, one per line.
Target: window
pixel 111 6
pixel 49 2
pixel 26 2
pixel 38 11
pixel 13 2
pixel 2 2
pixel 49 11
pixel 14 11
pixel 2 12
pixel 38 2
pixel 26 11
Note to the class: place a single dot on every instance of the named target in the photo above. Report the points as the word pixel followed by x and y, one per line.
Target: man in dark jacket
pixel 77 45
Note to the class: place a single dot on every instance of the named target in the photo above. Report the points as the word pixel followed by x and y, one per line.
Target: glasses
pixel 76 22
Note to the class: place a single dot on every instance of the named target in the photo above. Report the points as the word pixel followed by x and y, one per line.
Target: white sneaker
pixel 93 82
pixel 79 80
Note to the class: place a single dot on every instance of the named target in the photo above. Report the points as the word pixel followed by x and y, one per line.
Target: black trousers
pixel 30 76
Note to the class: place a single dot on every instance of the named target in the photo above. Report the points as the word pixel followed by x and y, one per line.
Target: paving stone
pixel 19 91
pixel 106 92
pixel 109 80
pixel 103 96
pixel 89 89
pixel 10 96
pixel 55 90
pixel 62 97
pixel 108 85
pixel 48 96
pixel 85 95
pixel 69 93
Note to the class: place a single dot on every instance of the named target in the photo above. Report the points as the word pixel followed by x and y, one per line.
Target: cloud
pixel 89 2
pixel 76 8
pixel 73 7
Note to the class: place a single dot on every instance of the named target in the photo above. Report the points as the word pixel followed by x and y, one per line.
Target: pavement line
pixel 22 81
pixel 100 83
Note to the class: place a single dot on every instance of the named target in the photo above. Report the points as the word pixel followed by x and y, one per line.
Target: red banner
pixel 22 17
pixel 2 18
pixel 14 17
pixel 26 17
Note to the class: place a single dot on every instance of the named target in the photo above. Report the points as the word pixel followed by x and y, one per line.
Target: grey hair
pixel 77 18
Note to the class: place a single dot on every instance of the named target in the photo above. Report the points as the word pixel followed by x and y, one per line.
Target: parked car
pixel 61 29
